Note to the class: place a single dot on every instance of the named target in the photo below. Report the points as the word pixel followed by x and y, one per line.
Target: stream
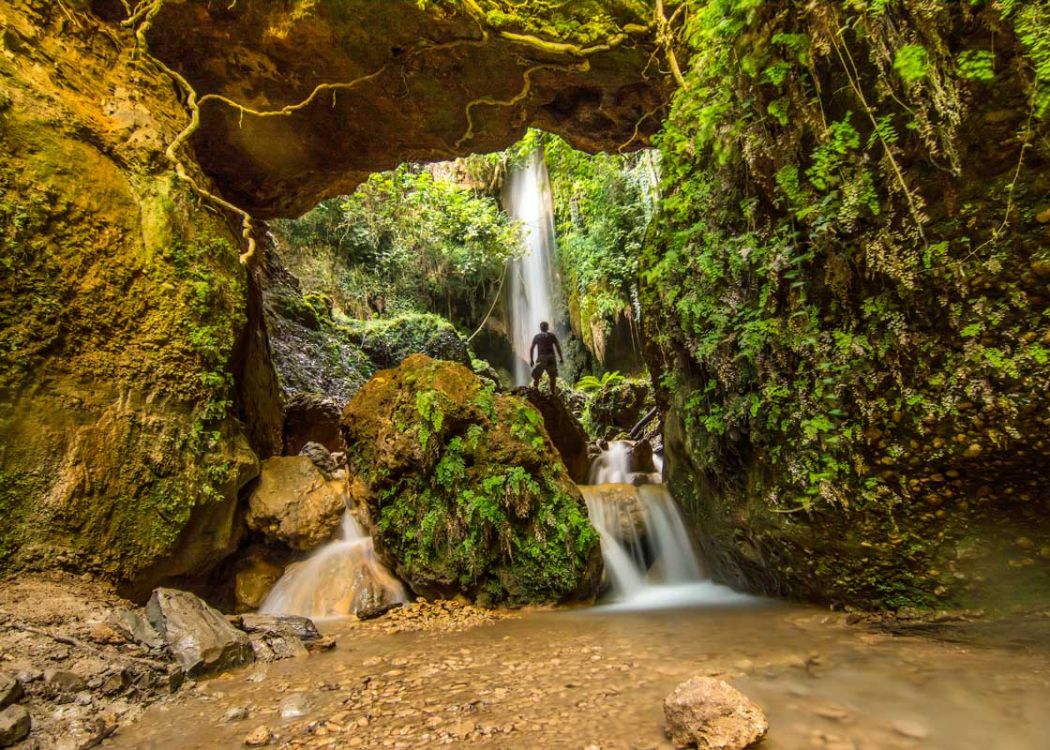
pixel 596 677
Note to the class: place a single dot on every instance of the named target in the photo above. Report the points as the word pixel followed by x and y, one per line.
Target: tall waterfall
pixel 531 278
pixel 650 562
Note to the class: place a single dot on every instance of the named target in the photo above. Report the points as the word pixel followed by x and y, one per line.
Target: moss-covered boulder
pixel 466 493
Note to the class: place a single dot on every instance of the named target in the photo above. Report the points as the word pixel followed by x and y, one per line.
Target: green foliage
pixel 800 287
pixel 911 62
pixel 590 383
pixel 603 205
pixel 405 241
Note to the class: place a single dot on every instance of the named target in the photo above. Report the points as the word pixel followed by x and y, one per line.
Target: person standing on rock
pixel 541 356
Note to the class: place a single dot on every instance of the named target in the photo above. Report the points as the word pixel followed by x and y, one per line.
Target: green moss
pixel 477 501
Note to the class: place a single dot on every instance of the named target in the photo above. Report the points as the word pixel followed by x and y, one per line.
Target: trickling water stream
pixel 649 558
pixel 531 278
pixel 334 578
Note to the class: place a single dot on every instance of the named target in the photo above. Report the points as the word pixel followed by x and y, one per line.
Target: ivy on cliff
pixel 833 216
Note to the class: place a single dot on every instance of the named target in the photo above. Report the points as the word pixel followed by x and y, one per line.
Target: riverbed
pixel 596 678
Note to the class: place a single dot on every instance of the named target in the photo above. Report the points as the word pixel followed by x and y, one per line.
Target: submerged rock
pixel 711 714
pixel 465 489
pixel 199 637
pixel 294 503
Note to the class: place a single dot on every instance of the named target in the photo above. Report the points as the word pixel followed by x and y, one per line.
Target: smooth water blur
pixel 531 278
pixel 328 582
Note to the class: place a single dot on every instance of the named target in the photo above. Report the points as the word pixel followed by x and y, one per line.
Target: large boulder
pixel 295 504
pixel 201 640
pixel 466 492
pixel 711 714
pixel 255 573
pixel 564 429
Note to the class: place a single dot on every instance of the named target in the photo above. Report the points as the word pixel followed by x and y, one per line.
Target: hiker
pixel 541 356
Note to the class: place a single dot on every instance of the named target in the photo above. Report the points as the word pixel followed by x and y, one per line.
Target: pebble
pixel 913 730
pixel 259 737
pixel 237 713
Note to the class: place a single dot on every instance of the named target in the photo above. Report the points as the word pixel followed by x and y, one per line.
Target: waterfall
pixel 649 558
pixel 531 278
pixel 336 579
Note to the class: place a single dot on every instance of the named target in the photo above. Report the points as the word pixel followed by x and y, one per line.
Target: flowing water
pixel 328 583
pixel 650 561
pixel 597 678
pixel 531 278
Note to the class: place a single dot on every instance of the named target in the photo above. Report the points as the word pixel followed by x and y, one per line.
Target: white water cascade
pixel 649 559
pixel 334 578
pixel 531 278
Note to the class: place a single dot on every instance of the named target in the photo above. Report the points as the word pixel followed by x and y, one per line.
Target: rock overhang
pixel 300 101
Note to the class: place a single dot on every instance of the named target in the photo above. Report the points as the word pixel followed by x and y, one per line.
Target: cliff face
pixel 136 387
pixel 122 302
pixel 848 288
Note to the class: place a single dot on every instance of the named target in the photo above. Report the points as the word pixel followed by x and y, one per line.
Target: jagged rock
pixel 276 637
pixel 10 689
pixel 371 598
pixel 483 471
pixel 711 714
pixel 310 418
pixel 322 458
pixel 564 429
pixel 15 724
pixel 135 627
pixel 200 639
pixel 294 504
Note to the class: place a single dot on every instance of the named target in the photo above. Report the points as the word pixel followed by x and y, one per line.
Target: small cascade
pixel 337 580
pixel 649 558
pixel 530 286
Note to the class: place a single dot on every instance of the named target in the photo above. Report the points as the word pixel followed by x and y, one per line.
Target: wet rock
pixel 10 690
pixel 15 724
pixel 322 458
pixel 711 714
pixel 371 598
pixel 135 627
pixel 309 418
pixel 254 576
pixel 259 737
pixel 429 439
pixel 640 458
pixel 200 639
pixel 238 713
pixel 624 514
pixel 564 429
pixel 294 504
pixel 276 637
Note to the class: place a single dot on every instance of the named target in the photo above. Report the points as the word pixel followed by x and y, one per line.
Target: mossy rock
pixel 388 341
pixel 466 492
pixel 617 407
